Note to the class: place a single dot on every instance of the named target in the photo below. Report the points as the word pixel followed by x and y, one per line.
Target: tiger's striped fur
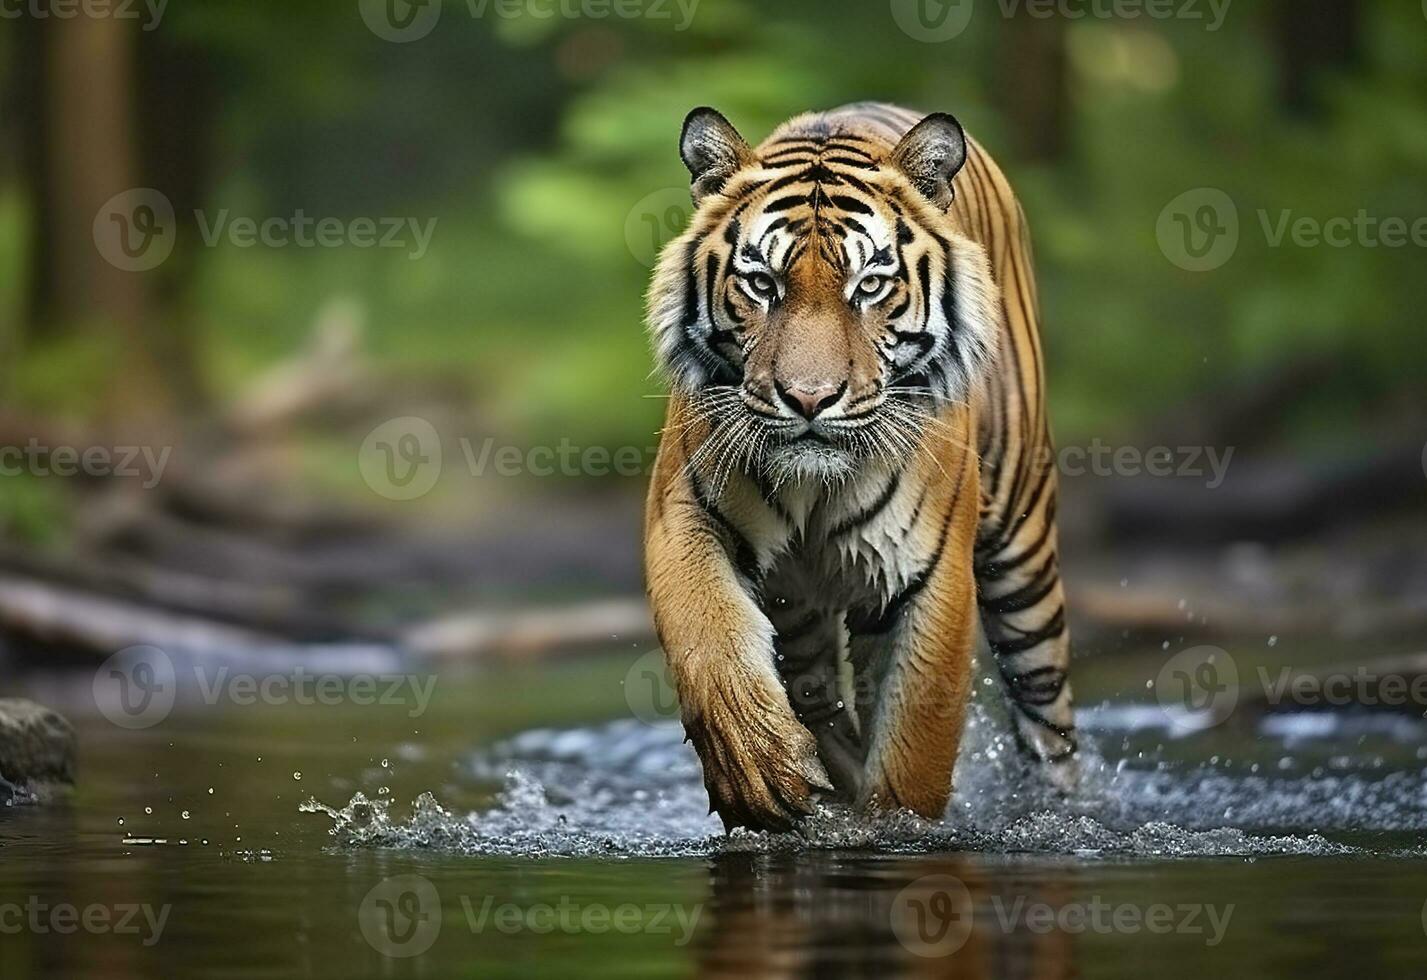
pixel 853 476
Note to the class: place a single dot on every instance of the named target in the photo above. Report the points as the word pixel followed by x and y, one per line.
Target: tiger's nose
pixel 809 400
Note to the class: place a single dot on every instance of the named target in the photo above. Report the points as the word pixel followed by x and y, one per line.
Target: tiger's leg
pixel 918 654
pixel 760 764
pixel 1023 613
pixel 810 648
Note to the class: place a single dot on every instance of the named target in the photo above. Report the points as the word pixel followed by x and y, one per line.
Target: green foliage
pixel 531 141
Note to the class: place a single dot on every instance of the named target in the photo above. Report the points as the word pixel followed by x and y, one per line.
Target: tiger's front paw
pixel 761 765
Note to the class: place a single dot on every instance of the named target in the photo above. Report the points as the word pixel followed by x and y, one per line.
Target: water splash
pixel 631 789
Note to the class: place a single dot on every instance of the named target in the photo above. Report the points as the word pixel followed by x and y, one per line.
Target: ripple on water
pixel 632 789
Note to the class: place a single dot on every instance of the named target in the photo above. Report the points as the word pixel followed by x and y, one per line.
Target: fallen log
pixel 58 616
pixel 1107 608
pixel 533 632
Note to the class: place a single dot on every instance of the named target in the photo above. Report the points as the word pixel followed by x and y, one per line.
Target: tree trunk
pixel 1032 85
pixel 1314 36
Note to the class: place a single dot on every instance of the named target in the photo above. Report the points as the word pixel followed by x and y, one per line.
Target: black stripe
pixel 867 514
pixel 1042 583
pixel 786 203
pixel 845 203
pixel 801 628
pixel 1040 687
pixel 1028 640
pixel 745 559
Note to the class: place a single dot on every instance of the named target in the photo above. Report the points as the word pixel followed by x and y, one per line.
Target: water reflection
pixel 819 914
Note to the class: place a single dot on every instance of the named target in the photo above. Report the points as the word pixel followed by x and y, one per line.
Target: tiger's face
pixel 822 307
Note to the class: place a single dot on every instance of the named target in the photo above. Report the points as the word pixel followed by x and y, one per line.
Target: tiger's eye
pixel 761 283
pixel 871 286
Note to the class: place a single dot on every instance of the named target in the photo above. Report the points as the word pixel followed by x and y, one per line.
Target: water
pixel 515 829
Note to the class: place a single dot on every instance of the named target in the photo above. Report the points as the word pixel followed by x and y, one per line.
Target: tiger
pixel 851 480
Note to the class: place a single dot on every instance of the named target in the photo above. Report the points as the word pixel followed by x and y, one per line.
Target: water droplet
pixel 297 776
pixel 186 815
pixel 1273 641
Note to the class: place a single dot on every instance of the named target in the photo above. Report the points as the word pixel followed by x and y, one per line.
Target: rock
pixel 37 747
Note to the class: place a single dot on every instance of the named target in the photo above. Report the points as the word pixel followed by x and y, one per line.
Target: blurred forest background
pixel 545 150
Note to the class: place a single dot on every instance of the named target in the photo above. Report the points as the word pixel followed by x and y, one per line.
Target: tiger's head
pixel 822 306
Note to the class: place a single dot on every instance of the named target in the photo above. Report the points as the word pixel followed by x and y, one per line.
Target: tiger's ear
pixel 931 155
pixel 712 150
